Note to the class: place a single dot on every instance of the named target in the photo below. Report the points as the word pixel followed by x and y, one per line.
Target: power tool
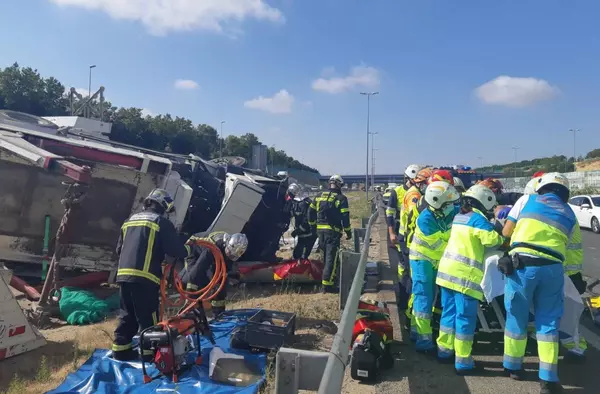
pixel 166 344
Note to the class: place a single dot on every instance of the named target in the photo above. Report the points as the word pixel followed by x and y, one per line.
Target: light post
pixel 221 141
pixel 89 115
pixel 574 131
pixel 368 94
pixel 480 161
pixel 515 148
pixel 90 81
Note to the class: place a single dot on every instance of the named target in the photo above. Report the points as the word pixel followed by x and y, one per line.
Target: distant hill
pixel 547 164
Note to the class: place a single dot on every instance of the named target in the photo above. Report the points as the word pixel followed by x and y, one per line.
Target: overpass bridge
pixel 379 178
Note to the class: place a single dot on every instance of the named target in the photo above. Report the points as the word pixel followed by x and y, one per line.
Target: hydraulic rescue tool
pixel 166 344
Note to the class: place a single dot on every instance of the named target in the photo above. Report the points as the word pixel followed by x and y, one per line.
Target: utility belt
pixel 507 264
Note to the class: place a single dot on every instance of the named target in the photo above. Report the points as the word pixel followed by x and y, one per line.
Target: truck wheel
pixel 595 225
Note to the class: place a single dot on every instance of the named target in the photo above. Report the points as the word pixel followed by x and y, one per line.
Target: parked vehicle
pixel 587 210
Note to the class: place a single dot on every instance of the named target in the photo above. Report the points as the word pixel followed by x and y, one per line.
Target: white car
pixel 587 210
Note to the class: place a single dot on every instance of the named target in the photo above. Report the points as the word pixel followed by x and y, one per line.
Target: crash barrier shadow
pixel 297 369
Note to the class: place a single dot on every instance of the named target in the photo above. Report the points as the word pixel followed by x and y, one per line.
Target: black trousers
pixel 139 310
pixel 199 276
pixel 329 242
pixel 304 246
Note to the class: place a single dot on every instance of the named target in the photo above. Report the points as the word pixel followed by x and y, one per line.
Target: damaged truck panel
pixel 29 193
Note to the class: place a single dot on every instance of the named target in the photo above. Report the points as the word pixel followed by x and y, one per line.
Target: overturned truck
pixel 39 160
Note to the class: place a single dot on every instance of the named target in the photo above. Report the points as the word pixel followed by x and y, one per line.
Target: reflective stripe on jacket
pixel 144 240
pixel 430 238
pixel 330 211
pixel 574 262
pixel 394 206
pixel 545 223
pixel 462 265
pixel 409 203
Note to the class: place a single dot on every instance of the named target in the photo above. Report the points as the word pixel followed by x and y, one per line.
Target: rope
pixel 207 293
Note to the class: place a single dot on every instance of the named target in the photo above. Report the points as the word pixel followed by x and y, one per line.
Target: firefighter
pixel 145 239
pixel 331 216
pixel 460 274
pixel 200 263
pixel 432 232
pixel 396 236
pixel 541 228
pixel 306 233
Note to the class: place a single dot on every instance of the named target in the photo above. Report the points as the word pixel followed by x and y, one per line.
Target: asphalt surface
pixel 418 374
pixel 591 253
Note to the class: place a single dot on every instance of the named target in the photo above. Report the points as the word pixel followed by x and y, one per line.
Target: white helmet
pixel 458 183
pixel 294 189
pixel 439 194
pixel 412 170
pixel 337 180
pixel 530 187
pixel 484 195
pixel 552 178
pixel 235 246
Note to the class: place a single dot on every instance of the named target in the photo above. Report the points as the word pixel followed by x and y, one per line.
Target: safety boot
pixel 550 387
pixel 126 355
pixel 476 370
pixel 514 374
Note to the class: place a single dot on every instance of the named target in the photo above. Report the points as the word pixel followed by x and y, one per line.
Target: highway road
pixel 591 253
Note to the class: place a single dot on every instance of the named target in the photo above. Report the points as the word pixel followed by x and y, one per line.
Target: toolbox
pixel 270 329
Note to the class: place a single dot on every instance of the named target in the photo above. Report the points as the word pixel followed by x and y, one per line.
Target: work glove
pixel 294 233
pixel 348 235
pixel 503 213
pixel 505 265
pixel 579 283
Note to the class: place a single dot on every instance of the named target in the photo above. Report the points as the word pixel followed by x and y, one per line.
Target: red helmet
pixel 441 175
pixel 494 184
pixel 538 174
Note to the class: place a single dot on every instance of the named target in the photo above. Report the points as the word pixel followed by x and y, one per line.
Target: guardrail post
pixel 358 235
pixel 297 369
pixel 348 265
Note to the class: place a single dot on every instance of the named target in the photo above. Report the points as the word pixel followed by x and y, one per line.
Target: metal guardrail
pixel 333 375
pixel 297 369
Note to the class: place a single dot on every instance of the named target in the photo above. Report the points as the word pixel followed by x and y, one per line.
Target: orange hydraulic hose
pixel 207 293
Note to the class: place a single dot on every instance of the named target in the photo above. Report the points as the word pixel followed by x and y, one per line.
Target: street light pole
pixel 368 94
pixel 515 148
pixel 480 161
pixel 373 158
pixel 221 141
pixel 574 131
pixel 90 90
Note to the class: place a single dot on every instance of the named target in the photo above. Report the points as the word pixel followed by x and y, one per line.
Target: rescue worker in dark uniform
pixel 145 239
pixel 331 215
pixel 306 233
pixel 503 198
pixel 200 263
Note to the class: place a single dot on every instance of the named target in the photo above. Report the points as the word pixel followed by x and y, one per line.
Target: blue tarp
pixel 103 375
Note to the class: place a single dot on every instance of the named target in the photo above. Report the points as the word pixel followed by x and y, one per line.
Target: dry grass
pixel 359 207
pixel 45 368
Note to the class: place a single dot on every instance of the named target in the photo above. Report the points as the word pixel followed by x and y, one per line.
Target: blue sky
pixel 457 79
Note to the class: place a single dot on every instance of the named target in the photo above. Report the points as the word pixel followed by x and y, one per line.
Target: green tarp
pixel 79 307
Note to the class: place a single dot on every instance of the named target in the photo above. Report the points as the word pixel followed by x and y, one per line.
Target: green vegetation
pixel 24 89
pixel 529 167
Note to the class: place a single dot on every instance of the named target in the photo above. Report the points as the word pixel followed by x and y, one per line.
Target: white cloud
pixel 360 76
pixel 147 112
pixel 280 103
pixel 515 92
pixel 163 16
pixel 186 84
